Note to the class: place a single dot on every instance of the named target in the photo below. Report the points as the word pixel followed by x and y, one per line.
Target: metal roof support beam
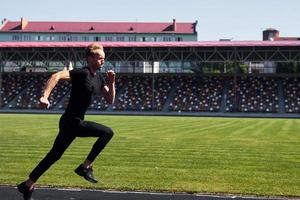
pixel 220 54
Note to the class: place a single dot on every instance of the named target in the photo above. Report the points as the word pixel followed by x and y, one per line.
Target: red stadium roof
pixel 98 27
pixel 152 44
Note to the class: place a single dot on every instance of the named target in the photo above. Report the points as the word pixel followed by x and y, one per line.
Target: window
pixel 97 38
pixel 120 38
pixel 167 39
pixel 27 38
pixel 85 38
pixel 179 39
pixel 132 38
pixel 74 38
pixel 50 38
pixel 144 39
pixel 62 38
pixel 38 38
pixel 16 37
pixel 108 38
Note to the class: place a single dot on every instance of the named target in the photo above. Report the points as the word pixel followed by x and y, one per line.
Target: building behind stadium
pixel 25 30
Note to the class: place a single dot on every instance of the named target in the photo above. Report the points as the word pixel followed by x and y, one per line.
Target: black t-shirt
pixel 84 86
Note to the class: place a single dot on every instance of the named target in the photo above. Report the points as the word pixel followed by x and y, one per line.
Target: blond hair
pixel 92 48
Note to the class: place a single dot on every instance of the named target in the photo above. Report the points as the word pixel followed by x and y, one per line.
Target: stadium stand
pixel 30 97
pixel 292 94
pixel 253 94
pixel 12 85
pixel 98 103
pixel 180 92
pixel 197 94
pixel 137 95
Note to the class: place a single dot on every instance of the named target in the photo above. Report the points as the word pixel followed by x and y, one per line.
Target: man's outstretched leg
pixel 92 129
pixel 61 143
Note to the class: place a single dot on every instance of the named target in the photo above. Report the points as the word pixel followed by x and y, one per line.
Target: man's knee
pixel 109 132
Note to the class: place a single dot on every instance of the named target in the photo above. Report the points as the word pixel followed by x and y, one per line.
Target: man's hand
pixel 111 76
pixel 44 102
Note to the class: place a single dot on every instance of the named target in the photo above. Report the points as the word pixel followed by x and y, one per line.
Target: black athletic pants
pixel 69 129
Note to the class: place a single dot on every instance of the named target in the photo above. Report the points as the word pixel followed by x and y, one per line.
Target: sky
pixel 217 19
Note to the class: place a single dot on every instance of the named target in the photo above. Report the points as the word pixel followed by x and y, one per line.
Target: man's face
pixel 97 60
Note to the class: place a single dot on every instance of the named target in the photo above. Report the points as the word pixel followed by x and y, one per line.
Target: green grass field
pixel 188 154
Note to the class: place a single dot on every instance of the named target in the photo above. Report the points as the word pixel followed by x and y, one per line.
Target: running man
pixel 85 84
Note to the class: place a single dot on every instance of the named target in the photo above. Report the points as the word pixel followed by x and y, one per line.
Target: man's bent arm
pixel 53 80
